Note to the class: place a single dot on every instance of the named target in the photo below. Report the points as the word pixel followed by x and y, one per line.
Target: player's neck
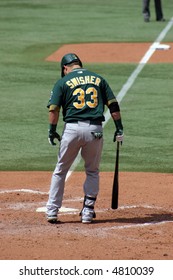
pixel 75 67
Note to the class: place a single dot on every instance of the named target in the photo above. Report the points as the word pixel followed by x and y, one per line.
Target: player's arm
pixel 53 120
pixel 54 106
pixel 53 116
pixel 116 116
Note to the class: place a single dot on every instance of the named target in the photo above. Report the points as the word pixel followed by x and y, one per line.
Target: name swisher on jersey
pixel 82 80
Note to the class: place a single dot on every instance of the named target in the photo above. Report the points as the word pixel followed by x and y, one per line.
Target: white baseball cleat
pixel 52 219
pixel 87 215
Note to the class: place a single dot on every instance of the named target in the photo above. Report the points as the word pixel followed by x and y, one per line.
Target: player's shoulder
pixel 60 82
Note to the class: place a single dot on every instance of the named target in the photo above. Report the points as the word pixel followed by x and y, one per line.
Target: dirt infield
pixel 141 228
pixel 114 52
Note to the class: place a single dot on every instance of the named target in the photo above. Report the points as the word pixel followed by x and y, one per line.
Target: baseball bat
pixel 115 187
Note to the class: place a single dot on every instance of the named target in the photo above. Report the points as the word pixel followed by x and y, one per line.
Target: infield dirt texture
pixel 141 228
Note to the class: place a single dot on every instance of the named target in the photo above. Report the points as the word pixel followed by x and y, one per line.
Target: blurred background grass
pixel 31 30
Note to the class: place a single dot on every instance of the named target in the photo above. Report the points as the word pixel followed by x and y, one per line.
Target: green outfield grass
pixel 30 31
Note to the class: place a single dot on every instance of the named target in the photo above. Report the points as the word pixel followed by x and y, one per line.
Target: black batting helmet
pixel 68 59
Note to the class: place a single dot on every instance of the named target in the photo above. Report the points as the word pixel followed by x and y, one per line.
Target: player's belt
pixel 92 122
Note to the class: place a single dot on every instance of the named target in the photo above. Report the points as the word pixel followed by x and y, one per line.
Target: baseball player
pixel 82 95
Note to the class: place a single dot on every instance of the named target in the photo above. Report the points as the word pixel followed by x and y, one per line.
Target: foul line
pixel 130 82
pixel 140 66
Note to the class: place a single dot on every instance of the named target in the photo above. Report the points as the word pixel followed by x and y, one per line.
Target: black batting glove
pixel 118 135
pixel 53 135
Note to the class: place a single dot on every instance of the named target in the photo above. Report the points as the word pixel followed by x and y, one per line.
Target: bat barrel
pixel 115 188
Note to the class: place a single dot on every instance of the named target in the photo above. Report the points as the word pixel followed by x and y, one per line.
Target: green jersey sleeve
pixel 108 95
pixel 56 96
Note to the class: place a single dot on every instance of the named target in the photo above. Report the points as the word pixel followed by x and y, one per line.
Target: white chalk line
pixel 22 190
pixel 130 82
pixel 37 192
pixel 136 225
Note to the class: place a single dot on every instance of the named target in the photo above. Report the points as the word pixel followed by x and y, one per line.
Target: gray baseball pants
pixel 76 137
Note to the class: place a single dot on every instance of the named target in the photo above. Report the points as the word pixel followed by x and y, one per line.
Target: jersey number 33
pixel 80 93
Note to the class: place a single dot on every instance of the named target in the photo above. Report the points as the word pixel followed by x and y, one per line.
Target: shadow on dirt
pixel 149 218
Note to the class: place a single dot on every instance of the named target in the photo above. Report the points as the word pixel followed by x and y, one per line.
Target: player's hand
pixel 118 136
pixel 52 136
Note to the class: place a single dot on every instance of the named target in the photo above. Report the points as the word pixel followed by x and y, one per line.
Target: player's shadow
pixel 149 218
pixel 152 218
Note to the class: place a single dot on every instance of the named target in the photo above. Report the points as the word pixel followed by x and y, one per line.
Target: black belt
pixel 94 122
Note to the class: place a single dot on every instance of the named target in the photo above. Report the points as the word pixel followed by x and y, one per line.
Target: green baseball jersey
pixel 82 94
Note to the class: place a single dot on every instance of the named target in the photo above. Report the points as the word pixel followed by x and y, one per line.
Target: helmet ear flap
pixel 62 71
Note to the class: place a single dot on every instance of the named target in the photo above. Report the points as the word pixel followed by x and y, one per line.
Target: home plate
pixel 61 210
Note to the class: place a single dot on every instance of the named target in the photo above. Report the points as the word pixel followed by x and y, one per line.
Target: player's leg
pixel 158 10
pixel 146 10
pixel 69 149
pixel 91 153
